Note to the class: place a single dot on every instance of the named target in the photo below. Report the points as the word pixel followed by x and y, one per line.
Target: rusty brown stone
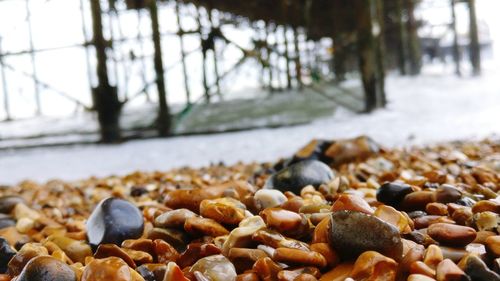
pixel 451 234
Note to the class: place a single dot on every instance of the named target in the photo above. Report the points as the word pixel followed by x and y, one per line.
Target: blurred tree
pixel 474 48
pixel 414 48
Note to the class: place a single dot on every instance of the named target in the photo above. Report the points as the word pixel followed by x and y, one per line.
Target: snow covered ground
pixel 430 108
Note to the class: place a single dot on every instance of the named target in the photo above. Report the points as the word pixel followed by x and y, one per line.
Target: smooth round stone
pixel 268 198
pixel 215 268
pixel 477 270
pixel 294 177
pixel 451 234
pixel 7 203
pixel 111 268
pixel 447 193
pixel 352 233
pixel 6 253
pixel 46 268
pixel 113 221
pixel 392 193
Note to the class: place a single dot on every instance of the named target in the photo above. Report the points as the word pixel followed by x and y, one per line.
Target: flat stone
pixel 46 268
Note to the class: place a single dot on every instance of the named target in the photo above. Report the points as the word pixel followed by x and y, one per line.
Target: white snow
pixel 430 108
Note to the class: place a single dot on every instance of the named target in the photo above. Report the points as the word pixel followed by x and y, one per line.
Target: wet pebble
pixel 45 268
pixel 392 193
pixel 223 210
pixel 113 221
pixel 286 222
pixel 371 265
pixel 215 268
pixel 6 253
pixel 474 267
pixel 111 268
pixel 450 234
pixel 349 235
pixel 174 219
pixel 299 175
pixel 268 198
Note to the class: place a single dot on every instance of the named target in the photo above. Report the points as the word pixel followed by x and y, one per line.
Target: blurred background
pixel 96 87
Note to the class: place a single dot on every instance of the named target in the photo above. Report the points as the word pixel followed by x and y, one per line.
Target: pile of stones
pixel 335 211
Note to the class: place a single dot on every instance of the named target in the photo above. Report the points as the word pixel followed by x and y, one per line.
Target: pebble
pixel 25 254
pixel 7 203
pixel 295 256
pixel 241 237
pixel 394 217
pixel 76 250
pixel 492 244
pixel 205 227
pixel 196 251
pixel 371 266
pixel 294 177
pixel 339 273
pixel 351 203
pixel 215 268
pixel 45 268
pixel 269 198
pixel 111 250
pixel 111 268
pixel 173 219
pixel 350 237
pixel 473 266
pixel 447 193
pixel 419 277
pixel 174 273
pixel 113 221
pixel 286 222
pixel 449 271
pixel 450 234
pixel 6 253
pixel 266 269
pixel 433 256
pixel 392 193
pixel 223 210
pixel 417 200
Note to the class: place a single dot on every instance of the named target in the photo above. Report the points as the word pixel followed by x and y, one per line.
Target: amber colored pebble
pixel 224 210
pixel 164 251
pixel 305 277
pixel 351 203
pixel 196 251
pixel 25 254
pixel 321 230
pixel 204 227
pixel 437 209
pixel 338 273
pixel 417 200
pixel 286 222
pixel 174 273
pixel 450 234
pixel 243 259
pixel 111 250
pixel 419 277
pixel 413 255
pixel 372 266
pixel 139 257
pixel 482 235
pixel 449 271
pixel 332 258
pixel 462 216
pixel 433 256
pixel 419 267
pixel 393 217
pixel 492 244
pixel 111 268
pixel 300 257
pixel 426 221
pixel 249 276
pixel 4 277
pixel 485 206
pixel 266 269
pixel 145 245
pixel 294 204
pixel 292 274
pixel 76 250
